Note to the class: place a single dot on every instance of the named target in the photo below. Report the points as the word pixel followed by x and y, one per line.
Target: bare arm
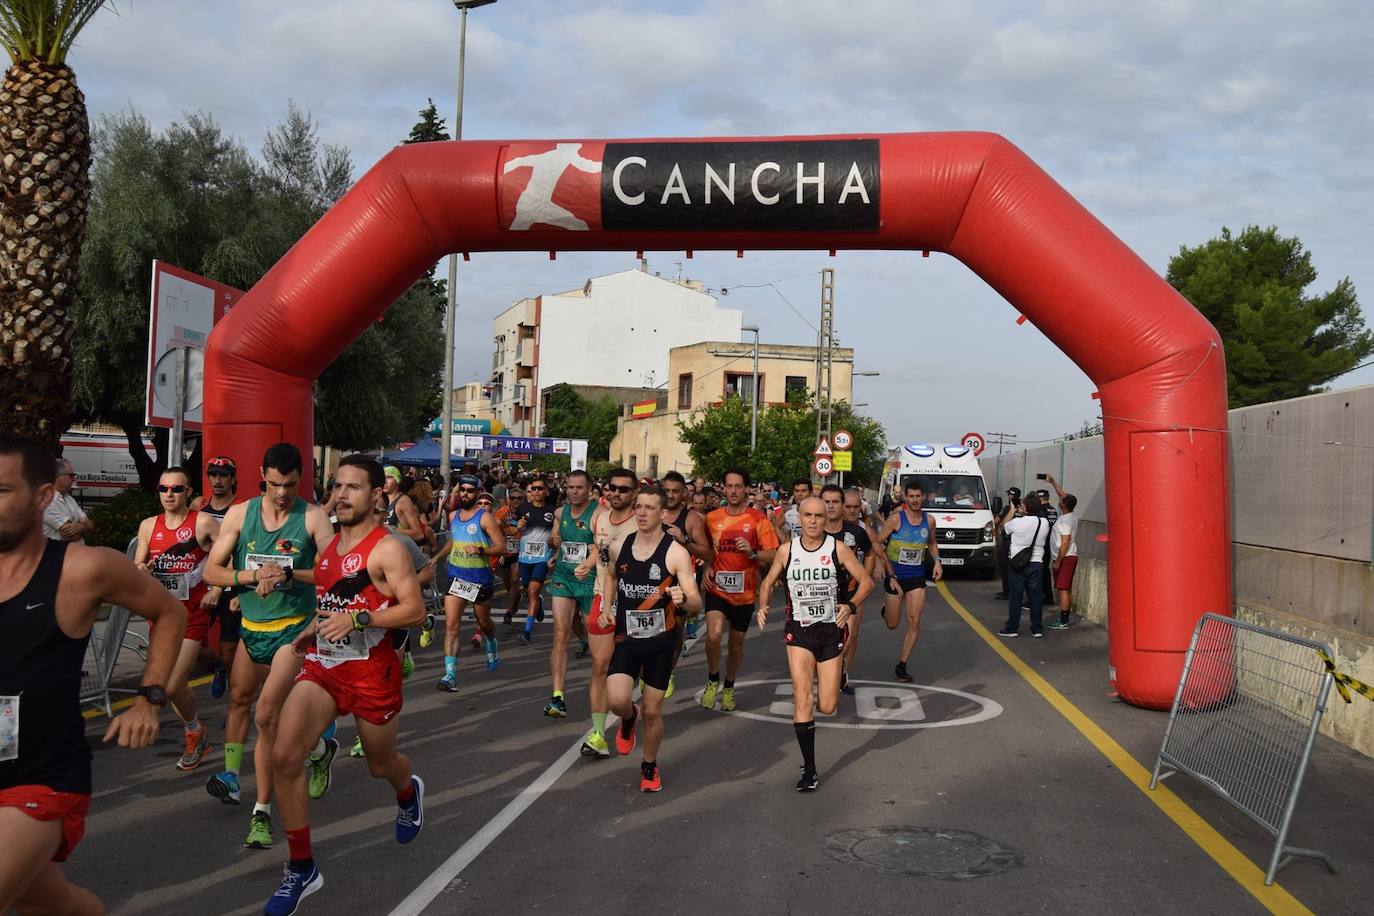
pixel 394 575
pixel 408 518
pixel 145 534
pixel 780 556
pixel 856 572
pixel 685 593
pixel 219 568
pixel 555 536
pixel 698 540
pixel 497 536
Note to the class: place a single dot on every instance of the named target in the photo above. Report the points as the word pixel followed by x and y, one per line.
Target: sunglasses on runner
pixel 173 488
pixel 611 486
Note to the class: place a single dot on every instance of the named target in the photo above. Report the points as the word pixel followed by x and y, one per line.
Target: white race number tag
pixel 462 588
pixel 814 604
pixel 574 552
pixel 9 728
pixel 351 648
pixel 730 582
pixel 644 624
pixel 910 556
pixel 531 551
pixel 176 585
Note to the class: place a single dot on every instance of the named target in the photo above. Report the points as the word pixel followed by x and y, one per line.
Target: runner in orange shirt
pixel 744 539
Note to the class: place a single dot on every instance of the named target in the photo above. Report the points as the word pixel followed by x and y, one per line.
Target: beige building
pixel 472 401
pixel 706 373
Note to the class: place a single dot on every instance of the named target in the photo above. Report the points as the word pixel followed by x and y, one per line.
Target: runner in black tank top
pixel 223 476
pixel 45 762
pixel 688 528
pixel 651 582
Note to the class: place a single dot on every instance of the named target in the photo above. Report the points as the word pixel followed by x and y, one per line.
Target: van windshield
pixel 951 491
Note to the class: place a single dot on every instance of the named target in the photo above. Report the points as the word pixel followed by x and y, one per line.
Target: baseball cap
pixel 222 462
pixel 469 481
pixel 1014 491
pixel 393 472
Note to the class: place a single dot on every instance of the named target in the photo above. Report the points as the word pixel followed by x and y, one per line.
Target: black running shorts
pixel 651 659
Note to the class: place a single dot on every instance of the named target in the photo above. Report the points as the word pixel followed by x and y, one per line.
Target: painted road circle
pixel 875 705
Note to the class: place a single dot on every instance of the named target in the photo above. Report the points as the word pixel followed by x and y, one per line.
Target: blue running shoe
pixel 295 887
pixel 448 684
pixel 224 786
pixel 493 661
pixel 219 683
pixel 410 818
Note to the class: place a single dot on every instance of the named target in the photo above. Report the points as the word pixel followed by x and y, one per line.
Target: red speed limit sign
pixel 824 467
pixel 842 440
pixel 974 442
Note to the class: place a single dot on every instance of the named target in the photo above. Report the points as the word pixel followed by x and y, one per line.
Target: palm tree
pixel 45 157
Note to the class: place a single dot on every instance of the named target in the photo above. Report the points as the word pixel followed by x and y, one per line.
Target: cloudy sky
pixel 1167 120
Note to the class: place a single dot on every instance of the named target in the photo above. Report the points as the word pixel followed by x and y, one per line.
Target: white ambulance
pixel 955 496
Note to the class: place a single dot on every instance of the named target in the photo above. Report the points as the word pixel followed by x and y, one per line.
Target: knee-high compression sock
pixel 450 665
pixel 806 737
pixel 529 624
pixel 233 758
pixel 599 723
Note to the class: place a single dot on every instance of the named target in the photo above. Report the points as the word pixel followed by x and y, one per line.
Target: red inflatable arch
pixel 1157 362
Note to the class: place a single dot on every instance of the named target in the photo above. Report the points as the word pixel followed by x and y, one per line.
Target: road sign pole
pixel 174 445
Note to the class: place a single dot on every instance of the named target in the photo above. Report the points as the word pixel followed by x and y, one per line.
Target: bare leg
pixel 183 700
pixel 29 880
pixel 892 610
pixel 735 656
pixel 715 629
pixel 603 647
pixel 828 685
pixel 244 682
pixel 482 613
pixel 579 626
pixel 285 666
pixel 651 707
pixel 915 601
pixel 801 665
pixel 1065 601
pixel 383 760
pixel 453 623
pixel 305 715
pixel 851 646
pixel 620 690
pixel 564 613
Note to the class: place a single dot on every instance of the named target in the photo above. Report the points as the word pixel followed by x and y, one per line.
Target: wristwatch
pixel 290 574
pixel 361 620
pixel 154 694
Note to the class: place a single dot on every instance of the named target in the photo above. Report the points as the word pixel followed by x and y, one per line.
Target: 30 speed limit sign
pixel 974 442
pixel 842 440
pixel 824 467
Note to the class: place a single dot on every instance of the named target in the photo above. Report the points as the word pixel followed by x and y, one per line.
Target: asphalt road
pixel 989 787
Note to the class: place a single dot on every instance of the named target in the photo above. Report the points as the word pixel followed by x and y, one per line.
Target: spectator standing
pixel 64 520
pixel 1025 531
pixel 1064 554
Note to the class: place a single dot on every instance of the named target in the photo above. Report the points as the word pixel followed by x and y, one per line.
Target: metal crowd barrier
pixel 102 653
pixel 1244 720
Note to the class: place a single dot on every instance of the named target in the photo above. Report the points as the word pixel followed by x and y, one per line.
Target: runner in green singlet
pixel 571 541
pixel 266 550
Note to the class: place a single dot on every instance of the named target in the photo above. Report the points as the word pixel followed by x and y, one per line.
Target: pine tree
pixel 431 127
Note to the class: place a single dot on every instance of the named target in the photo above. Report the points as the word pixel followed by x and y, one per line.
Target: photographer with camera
pixel 1013 508
pixel 1028 544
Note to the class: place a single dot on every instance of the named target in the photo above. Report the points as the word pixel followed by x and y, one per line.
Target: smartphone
pixel 1042 476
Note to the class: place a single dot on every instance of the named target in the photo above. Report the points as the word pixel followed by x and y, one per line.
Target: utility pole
pixel 825 345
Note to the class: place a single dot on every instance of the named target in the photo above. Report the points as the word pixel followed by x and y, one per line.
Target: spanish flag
pixel 642 409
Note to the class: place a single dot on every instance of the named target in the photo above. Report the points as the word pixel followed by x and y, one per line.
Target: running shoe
pixel 427 632
pixel 407 665
pixel 357 750
pixel 556 708
pixel 259 831
pixel 625 742
pixel 844 683
pixel 523 638
pixel 727 700
pixel 650 780
pixel 595 746
pixel 809 782
pixel 1060 624
pixel 509 619
pixel 295 887
pixel 539 614
pixel 219 683
pixel 224 786
pixel 447 683
pixel 672 685
pixel 493 661
pixel 1008 633
pixel 197 746
pixel 320 769
pixel 476 641
pixel 708 696
pixel 900 673
pixel 583 651
pixel 410 818
pixel 1037 633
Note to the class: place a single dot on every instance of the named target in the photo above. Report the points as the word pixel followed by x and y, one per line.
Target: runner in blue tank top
pixel 475 539
pixel 909 536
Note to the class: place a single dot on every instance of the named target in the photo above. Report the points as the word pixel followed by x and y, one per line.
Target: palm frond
pixel 44 29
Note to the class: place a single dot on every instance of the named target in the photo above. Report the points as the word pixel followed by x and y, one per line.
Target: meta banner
pixel 818 185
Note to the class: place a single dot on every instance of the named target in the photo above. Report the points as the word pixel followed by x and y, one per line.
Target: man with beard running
pixel 50 592
pixel 610 526
pixel 475 537
pixel 653 582
pixel 222 473
pixel 909 534
pixel 534 519
pixel 743 538
pixel 365 584
pixel 811 566
pixel 267 548
pixel 571 542
pixel 172 547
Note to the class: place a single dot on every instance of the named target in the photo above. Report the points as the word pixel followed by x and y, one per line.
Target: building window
pixel 741 385
pixel 684 391
pixel 633 462
pixel 653 466
pixel 795 389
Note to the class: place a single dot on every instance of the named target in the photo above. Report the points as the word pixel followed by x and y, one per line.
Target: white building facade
pixel 615 332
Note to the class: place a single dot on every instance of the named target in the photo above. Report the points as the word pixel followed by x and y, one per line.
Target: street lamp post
pixel 754 401
pixel 451 307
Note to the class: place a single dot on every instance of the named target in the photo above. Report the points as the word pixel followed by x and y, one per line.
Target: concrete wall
pixel 1302 492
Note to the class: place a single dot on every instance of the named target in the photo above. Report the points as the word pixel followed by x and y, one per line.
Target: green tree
pixel 1280 342
pixel 430 127
pixel 569 415
pixel 45 159
pixel 717 438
